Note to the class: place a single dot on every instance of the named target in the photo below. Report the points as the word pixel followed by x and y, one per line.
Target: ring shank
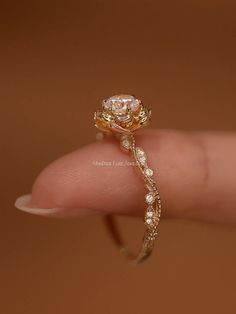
pixel 153 202
pixel 146 247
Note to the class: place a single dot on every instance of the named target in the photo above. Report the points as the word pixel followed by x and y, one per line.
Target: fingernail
pixel 24 203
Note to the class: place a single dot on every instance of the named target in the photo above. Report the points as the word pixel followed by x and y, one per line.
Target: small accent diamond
pixel 149 214
pixel 148 172
pixel 150 198
pixel 149 221
pixel 125 142
pixel 141 156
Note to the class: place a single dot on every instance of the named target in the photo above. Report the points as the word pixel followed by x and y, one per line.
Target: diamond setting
pixel 142 158
pixel 149 221
pixel 149 214
pixel 148 172
pixel 152 217
pixel 150 198
pixel 122 114
pixel 126 142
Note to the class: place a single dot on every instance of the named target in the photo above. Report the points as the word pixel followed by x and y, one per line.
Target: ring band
pixel 122 115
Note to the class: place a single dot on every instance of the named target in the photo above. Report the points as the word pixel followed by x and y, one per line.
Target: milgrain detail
pixel 152 198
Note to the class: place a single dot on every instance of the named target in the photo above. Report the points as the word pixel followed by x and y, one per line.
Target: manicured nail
pixel 24 203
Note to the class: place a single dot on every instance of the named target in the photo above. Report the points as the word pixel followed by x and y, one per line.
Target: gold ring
pixel 122 115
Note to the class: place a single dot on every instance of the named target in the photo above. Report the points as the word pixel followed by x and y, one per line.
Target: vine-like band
pixel 123 115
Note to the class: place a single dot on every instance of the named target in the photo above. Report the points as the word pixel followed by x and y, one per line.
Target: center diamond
pixel 119 104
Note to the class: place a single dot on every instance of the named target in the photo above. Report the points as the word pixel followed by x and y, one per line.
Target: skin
pixel 195 173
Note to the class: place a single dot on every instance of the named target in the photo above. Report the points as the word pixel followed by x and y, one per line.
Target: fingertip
pixel 24 203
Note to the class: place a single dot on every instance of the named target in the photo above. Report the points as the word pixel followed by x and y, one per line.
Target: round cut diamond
pixel 143 160
pixel 119 104
pixel 141 156
pixel 148 172
pixel 125 142
pixel 140 152
pixel 149 221
pixel 135 105
pixel 149 214
pixel 150 198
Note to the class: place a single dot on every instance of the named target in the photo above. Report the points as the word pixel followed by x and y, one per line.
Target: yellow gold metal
pixel 122 115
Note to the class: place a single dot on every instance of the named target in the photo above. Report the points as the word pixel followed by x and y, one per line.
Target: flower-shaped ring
pixel 122 115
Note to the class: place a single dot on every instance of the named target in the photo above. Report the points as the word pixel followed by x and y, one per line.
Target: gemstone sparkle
pixel 141 156
pixel 148 172
pixel 120 104
pixel 150 198
pixel 125 142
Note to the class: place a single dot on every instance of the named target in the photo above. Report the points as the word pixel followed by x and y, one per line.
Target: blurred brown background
pixel 57 61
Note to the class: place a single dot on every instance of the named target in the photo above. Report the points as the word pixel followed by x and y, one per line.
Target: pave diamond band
pixel 125 114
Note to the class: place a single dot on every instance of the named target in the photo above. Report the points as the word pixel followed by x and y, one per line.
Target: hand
pixel 195 173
